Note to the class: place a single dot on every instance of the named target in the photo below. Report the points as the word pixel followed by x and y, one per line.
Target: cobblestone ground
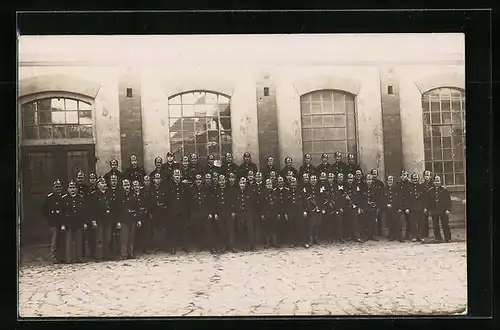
pixel 388 278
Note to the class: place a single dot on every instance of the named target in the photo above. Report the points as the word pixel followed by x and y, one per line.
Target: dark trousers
pixel 334 226
pixel 328 226
pixel 74 244
pixel 270 223
pixel 143 233
pixel 115 240
pixel 158 229
pixel 258 227
pixel 127 238
pixel 407 223
pixel 174 230
pixel 379 223
pixel 369 223
pixel 393 218
pixel 56 244
pixel 315 219
pixel 416 224
pixel 215 231
pixel 297 228
pixel 198 228
pixel 351 223
pixel 229 225
pixel 103 240
pixel 245 222
pixel 444 220
pixel 425 224
pixel 89 241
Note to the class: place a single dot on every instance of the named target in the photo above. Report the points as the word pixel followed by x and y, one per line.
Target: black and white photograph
pixel 242 175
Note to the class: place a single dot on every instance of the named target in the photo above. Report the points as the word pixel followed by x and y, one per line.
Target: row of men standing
pixel 198 205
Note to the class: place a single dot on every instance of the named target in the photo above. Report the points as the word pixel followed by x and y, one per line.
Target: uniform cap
pixel 337 153
pixel 57 182
pixel 101 180
pixel 246 154
pixel 72 183
pixel 92 175
pixel 324 156
pixel 157 175
pixel 170 154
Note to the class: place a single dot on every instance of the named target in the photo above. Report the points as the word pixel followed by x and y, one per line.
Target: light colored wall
pixel 106 115
pixel 411 78
pixel 363 81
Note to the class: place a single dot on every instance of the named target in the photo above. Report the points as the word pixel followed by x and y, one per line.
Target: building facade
pixel 396 102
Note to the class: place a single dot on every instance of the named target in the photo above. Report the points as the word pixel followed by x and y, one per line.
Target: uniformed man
pixel 324 229
pixel 359 178
pixel 354 198
pixel 185 171
pixel 352 165
pixel 100 205
pixel 244 208
pixel 158 207
pixel 142 196
pixel 52 210
pixel 289 167
pixel 202 211
pixel 113 164
pixel 307 167
pixel 247 165
pixel 282 198
pixel 404 195
pixel 266 171
pixel 379 186
pixel 115 192
pixel 167 169
pixel 228 166
pixel 258 191
pixel 337 205
pixel 158 166
pixel 418 206
pixel 296 224
pixel 346 213
pixel 251 178
pixel 134 172
pixel 194 166
pixel 370 206
pixel 215 180
pixel 428 185
pixel 129 220
pixel 338 166
pixel 269 214
pixel 323 180
pixel 315 209
pixel 440 208
pixel 82 188
pixel 304 181
pixel 232 180
pixel 92 182
pixel 176 197
pixel 274 178
pixel 225 211
pixel 73 223
pixel 392 206
pixel 207 181
pixel 211 168
pixel 325 166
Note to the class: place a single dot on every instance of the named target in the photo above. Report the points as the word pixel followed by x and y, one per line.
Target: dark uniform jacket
pixel 335 199
pixel 269 204
pixel 52 209
pixel 418 197
pixel 83 189
pixel 201 201
pixel 428 185
pixel 379 186
pixel 176 197
pixel 258 190
pixel 440 200
pixel 391 195
pixel 193 170
pixel 224 201
pixel 130 207
pixel 323 167
pixel 296 202
pixel 282 197
pixel 92 188
pixel 100 206
pixel 246 167
pixel 341 191
pixel 133 174
pixel 371 198
pixel 186 174
pixel 310 169
pixel 358 196
pixel 267 170
pixel 404 194
pixel 156 170
pixel 158 198
pixel 74 214
pixel 227 168
pixel 108 175
pixel 115 197
pixel 339 167
pixel 167 170
pixel 245 202
pixel 316 198
pixel 285 170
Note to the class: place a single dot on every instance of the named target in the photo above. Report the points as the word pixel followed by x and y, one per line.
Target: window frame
pixel 221 151
pixel 57 141
pixel 463 108
pixel 356 124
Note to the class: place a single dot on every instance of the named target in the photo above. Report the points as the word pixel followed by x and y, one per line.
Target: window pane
pixel 351 121
pixel 44 117
pixel 84 106
pixel 447 142
pixel 175 125
pixel 188 110
pixel 175 137
pixel 318 134
pixel 85 117
pixel 327 96
pixel 447 154
pixel 224 110
pixel 201 138
pixel 351 133
pixel 339 146
pixel 28 113
pixel 327 107
pixel 71 117
pixel 175 111
pixel 57 104
pixel 329 147
pixel 340 106
pixel 189 98
pixel 436 143
pixel 59 132
pixel 306 134
pixel 223 99
pixel 226 147
pixel 318 146
pixel 339 120
pixel 225 123
pixel 448 167
pixel 438 167
pixel 71 104
pixel 435 118
pixel 456 118
pixel 425 105
pixel 427 143
pixel 328 120
pixel 426 117
pixel 445 131
pixel 307 146
pixel 30 133
pixel 316 96
pixel 427 154
pixel 316 108
pixel 459 167
pixel 175 100
pixel 435 106
pixel 317 121
pixel 459 179
pixel 448 179
pixel 428 166
pixel 446 117
pixel 72 131
pixel 351 146
pixel 188 148
pixel 225 137
pixel 455 105
pixel 45 132
pixel 200 110
pixel 306 121
pixel 339 97
pixel 44 104
pixel 200 125
pixel 445 105
pixel 335 133
pixel 305 108
pixel 436 154
pixel 350 106
pixel 211 98
pixel 86 131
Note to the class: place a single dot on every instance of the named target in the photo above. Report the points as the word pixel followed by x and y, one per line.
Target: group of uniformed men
pixel 222 208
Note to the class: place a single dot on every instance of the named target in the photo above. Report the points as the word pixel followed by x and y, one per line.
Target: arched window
pixel 444 134
pixel 328 123
pixel 56 118
pixel 200 122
